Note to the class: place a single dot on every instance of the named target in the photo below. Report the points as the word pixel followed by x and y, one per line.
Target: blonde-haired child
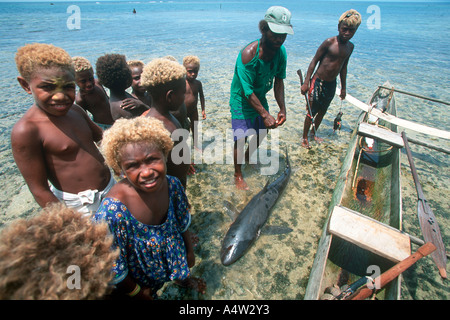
pixel 147 211
pixel 56 255
pixel 332 58
pixel 165 81
pixel 55 139
pixel 194 91
pixel 92 97
pixel 351 18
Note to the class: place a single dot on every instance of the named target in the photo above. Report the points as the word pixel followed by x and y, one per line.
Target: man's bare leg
pixel 238 160
pixel 306 126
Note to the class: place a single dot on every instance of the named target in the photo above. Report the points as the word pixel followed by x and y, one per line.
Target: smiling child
pixel 55 139
pixel 147 211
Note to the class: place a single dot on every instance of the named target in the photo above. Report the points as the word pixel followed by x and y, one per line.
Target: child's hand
pixel 204 114
pixel 131 104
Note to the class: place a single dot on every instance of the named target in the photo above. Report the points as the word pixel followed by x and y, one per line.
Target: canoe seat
pixel 369 234
pixel 375 132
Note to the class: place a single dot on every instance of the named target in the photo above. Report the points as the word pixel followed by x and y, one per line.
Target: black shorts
pixel 321 93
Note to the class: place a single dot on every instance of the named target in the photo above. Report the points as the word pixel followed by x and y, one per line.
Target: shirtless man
pixel 332 57
pixel 54 141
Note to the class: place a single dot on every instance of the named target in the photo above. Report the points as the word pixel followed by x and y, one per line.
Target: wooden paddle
pixel 386 277
pixel 299 72
pixel 427 220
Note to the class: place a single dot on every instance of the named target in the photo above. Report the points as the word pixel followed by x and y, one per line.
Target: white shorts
pixel 86 202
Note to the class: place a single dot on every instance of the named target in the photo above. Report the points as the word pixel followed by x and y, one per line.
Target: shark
pixel 244 231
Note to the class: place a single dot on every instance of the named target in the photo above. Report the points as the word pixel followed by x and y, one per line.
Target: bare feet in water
pixel 191 170
pixel 195 283
pixel 240 183
pixel 305 144
pixel 317 139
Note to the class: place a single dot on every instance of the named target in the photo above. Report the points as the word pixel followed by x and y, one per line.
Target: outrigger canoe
pixel 362 235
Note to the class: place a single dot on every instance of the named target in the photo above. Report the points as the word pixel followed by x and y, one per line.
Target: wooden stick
pixel 386 277
pixel 429 145
pixel 299 72
pixel 415 95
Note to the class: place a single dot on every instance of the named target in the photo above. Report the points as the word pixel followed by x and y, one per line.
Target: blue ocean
pixel 405 43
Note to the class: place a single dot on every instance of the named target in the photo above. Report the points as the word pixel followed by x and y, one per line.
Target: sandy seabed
pixel 277 266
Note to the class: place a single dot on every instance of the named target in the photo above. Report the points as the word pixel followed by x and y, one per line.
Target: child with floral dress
pixel 147 211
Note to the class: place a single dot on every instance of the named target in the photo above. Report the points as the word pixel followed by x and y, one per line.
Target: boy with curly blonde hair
pixel 194 91
pixel 54 141
pixel 92 97
pixel 146 197
pixel 165 81
pixel 56 255
pixel 332 58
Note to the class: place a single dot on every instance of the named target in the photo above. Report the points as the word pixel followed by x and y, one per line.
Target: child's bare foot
pixel 195 283
pixel 317 139
pixel 305 144
pixel 191 170
pixel 240 183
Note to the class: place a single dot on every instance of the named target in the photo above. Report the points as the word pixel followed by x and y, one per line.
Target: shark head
pixel 232 251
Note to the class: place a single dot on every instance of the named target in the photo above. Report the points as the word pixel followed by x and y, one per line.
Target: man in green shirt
pixel 260 66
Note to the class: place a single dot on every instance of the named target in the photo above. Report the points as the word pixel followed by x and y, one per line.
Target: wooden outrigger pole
pixel 416 95
pixel 395 120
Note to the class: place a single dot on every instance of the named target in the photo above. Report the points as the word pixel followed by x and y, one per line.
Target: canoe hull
pixel 370 185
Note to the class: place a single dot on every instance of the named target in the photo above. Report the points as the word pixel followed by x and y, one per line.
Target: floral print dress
pixel 151 254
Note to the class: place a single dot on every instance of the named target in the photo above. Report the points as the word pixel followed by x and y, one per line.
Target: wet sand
pixel 277 266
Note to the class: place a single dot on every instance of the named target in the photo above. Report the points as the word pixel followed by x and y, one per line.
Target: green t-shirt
pixel 254 77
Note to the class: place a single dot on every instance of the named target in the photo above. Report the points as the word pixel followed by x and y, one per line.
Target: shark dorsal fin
pixel 230 209
pixel 265 187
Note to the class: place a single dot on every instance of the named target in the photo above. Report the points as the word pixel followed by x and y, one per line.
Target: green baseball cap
pixel 279 20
